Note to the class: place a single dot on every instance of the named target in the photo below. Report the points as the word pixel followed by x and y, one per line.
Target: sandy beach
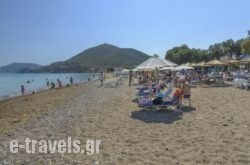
pixel 215 130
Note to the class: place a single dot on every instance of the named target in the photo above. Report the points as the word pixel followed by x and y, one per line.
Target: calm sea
pixel 10 83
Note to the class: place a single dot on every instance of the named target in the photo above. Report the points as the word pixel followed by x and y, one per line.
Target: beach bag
pixel 157 101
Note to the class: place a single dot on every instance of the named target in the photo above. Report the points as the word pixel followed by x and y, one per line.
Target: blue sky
pixel 45 31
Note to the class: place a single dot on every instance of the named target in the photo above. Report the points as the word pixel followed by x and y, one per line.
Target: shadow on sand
pixel 160 115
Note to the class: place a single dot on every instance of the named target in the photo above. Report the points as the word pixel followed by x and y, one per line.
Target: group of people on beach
pixel 182 84
pixel 50 85
pixel 182 90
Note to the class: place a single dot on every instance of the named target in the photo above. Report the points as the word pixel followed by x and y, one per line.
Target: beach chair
pixel 144 92
pixel 195 81
pixel 187 97
pixel 172 102
pixel 165 104
pixel 246 84
pixel 167 93
pixel 144 98
pixel 142 87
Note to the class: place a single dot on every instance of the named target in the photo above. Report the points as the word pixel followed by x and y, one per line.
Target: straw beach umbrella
pixel 231 63
pixel 202 65
pixel 153 64
pixel 246 60
pixel 171 68
pixel 183 67
pixel 125 70
pixel 188 64
pixel 216 63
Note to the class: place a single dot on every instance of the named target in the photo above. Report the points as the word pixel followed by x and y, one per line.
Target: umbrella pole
pixel 156 81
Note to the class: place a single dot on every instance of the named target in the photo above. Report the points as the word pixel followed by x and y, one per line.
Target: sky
pixel 46 31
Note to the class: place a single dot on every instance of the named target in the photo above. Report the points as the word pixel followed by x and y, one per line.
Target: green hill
pixel 19 67
pixel 98 58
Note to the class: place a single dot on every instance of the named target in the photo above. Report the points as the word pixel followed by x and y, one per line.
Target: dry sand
pixel 216 130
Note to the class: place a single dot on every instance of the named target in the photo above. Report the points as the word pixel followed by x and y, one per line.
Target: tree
pixel 183 54
pixel 246 46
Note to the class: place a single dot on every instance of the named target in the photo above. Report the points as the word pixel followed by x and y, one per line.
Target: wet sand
pixel 215 130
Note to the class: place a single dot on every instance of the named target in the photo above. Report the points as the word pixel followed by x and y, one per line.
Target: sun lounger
pixel 164 104
pixel 166 94
pixel 246 84
pixel 144 98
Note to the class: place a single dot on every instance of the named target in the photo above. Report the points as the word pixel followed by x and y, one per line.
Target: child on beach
pixel 22 89
pixel 177 93
pixel 52 85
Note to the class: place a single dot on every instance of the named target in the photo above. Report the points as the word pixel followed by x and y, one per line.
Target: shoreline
pixel 38 90
pixel 33 82
pixel 17 110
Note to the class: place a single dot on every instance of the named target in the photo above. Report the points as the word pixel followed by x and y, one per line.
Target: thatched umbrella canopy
pixel 202 65
pixel 216 62
pixel 171 68
pixel 187 64
pixel 246 61
pixel 183 67
pixel 154 62
pixel 232 62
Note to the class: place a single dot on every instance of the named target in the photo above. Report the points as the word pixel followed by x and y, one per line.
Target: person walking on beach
pixel 101 79
pixel 22 89
pixel 59 82
pixel 71 80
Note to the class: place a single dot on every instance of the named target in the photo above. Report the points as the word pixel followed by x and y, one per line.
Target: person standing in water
pixel 22 89
pixel 71 80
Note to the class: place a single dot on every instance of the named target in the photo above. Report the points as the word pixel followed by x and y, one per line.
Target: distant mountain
pixel 98 58
pixel 19 67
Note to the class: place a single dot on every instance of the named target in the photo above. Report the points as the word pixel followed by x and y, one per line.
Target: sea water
pixel 10 83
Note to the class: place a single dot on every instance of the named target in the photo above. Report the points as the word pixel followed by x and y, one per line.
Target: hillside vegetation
pixel 99 58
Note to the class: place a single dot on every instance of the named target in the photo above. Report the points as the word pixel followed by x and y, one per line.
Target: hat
pixel 181 78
